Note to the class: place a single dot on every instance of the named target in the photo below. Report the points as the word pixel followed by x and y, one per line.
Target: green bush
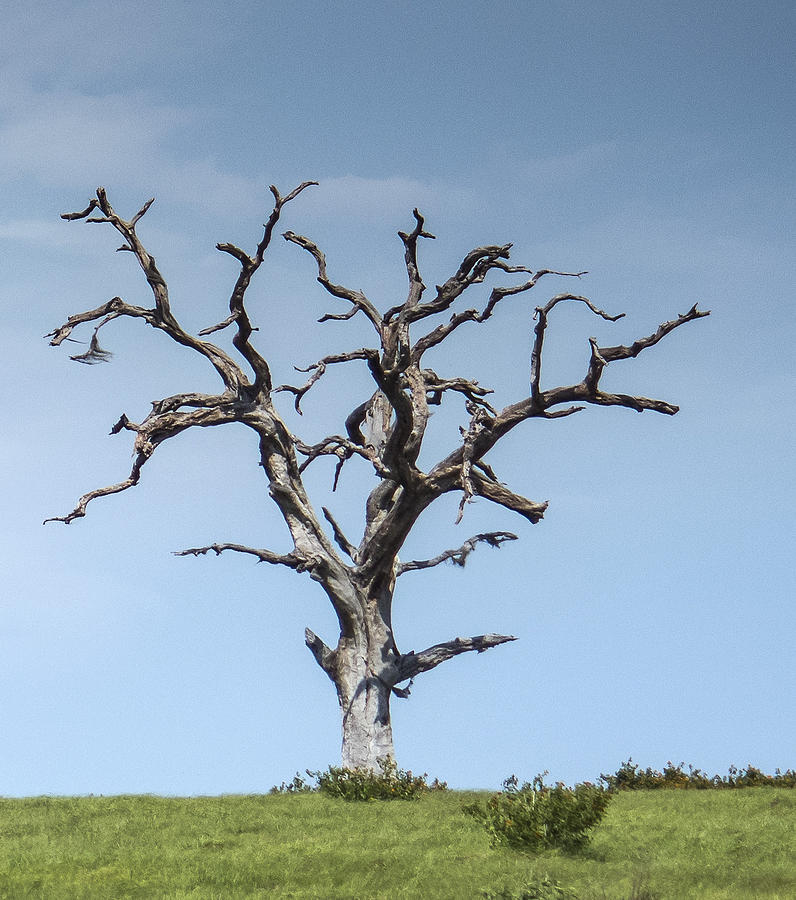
pixel 544 888
pixel 391 783
pixel 630 777
pixel 299 785
pixel 537 816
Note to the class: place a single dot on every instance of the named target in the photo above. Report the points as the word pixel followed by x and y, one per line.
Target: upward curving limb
pixel 160 316
pixel 357 299
pixel 542 312
pixel 416 286
pixel 438 334
pixel 237 307
pixel 613 353
pixel 132 244
pixel 412 664
pixel 473 270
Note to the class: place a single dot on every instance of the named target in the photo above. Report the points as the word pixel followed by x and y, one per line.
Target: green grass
pixel 666 845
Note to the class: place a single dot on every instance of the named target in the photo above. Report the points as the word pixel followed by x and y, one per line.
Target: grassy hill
pixel 652 845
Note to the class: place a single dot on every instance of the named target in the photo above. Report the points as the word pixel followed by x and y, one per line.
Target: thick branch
pixel 458 557
pixel 499 493
pixel 473 269
pixel 413 664
pixel 342 541
pixel 324 656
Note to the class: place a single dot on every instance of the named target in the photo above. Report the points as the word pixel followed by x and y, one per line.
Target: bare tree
pixel 387 430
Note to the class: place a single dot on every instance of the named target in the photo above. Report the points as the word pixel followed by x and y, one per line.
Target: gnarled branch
pixel 237 308
pixel 161 316
pixel 343 449
pixel 416 286
pixel 291 560
pixel 318 369
pixel 542 312
pixel 80 509
pixel 435 337
pixel 358 300
pixel 458 557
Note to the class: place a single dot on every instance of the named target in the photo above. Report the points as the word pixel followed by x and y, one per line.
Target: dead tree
pixel 386 430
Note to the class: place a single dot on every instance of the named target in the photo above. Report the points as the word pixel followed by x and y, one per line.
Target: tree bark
pixel 364 698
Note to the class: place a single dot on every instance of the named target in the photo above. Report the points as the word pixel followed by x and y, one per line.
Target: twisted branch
pixel 291 560
pixel 318 369
pixel 237 308
pixel 458 557
pixel 356 298
pixel 435 337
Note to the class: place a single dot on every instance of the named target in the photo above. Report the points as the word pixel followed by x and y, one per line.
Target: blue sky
pixel 651 145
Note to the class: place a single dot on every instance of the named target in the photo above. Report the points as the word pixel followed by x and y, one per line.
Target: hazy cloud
pixel 568 166
pixel 390 199
pixel 65 137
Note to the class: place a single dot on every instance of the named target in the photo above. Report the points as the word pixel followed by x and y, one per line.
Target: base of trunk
pixel 367 730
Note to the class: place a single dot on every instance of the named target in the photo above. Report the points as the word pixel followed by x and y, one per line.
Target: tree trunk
pixel 364 698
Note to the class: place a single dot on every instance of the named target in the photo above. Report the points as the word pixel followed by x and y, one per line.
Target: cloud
pixel 69 138
pixel 568 166
pixel 38 231
pixel 390 199
pixel 75 141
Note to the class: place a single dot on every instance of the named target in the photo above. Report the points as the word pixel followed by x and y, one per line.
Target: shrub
pixel 544 888
pixel 297 786
pixel 537 816
pixel 391 783
pixel 629 777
